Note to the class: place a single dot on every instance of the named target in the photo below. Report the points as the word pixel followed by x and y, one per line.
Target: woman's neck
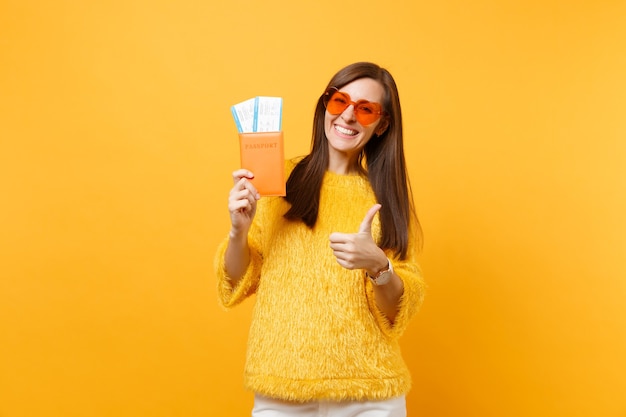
pixel 344 164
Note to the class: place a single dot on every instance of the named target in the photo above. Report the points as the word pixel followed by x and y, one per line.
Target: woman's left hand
pixel 358 250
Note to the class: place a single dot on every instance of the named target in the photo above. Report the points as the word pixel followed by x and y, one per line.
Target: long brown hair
pixel 383 157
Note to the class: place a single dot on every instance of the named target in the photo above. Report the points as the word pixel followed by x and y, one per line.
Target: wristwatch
pixel 382 277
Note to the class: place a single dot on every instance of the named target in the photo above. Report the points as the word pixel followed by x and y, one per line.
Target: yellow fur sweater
pixel 316 331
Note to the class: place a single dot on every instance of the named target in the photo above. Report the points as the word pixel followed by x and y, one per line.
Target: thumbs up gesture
pixel 358 250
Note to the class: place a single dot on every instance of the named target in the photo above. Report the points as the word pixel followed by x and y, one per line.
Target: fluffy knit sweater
pixel 316 331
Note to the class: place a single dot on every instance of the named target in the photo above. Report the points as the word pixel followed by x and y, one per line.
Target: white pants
pixel 268 407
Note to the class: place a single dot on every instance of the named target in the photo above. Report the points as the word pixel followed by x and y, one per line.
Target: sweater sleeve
pixel 228 295
pixel 410 301
pixel 412 298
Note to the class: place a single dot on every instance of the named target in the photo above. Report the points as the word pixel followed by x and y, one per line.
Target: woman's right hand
pixel 242 202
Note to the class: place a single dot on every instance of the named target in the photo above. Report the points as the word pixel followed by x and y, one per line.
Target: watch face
pixel 383 278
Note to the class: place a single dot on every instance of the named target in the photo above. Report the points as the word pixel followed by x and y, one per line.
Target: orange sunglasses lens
pixel 366 112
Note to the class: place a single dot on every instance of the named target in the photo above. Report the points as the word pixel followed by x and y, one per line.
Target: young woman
pixel 333 264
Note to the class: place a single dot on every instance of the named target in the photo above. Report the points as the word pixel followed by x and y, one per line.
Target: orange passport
pixel 263 154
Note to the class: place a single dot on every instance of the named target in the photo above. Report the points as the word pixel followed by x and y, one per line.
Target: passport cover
pixel 263 154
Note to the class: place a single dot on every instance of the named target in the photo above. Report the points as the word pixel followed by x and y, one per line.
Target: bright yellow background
pixel 116 151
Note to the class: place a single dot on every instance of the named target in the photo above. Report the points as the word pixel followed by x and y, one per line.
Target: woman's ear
pixel 382 127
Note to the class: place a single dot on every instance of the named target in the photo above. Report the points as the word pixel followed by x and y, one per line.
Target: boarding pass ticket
pixel 258 114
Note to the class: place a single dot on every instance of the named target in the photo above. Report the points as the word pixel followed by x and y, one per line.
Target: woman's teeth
pixel 345 131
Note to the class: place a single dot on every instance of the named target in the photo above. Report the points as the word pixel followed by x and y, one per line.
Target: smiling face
pixel 346 136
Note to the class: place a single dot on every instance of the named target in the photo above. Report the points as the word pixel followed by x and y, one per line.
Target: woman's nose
pixel 348 114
